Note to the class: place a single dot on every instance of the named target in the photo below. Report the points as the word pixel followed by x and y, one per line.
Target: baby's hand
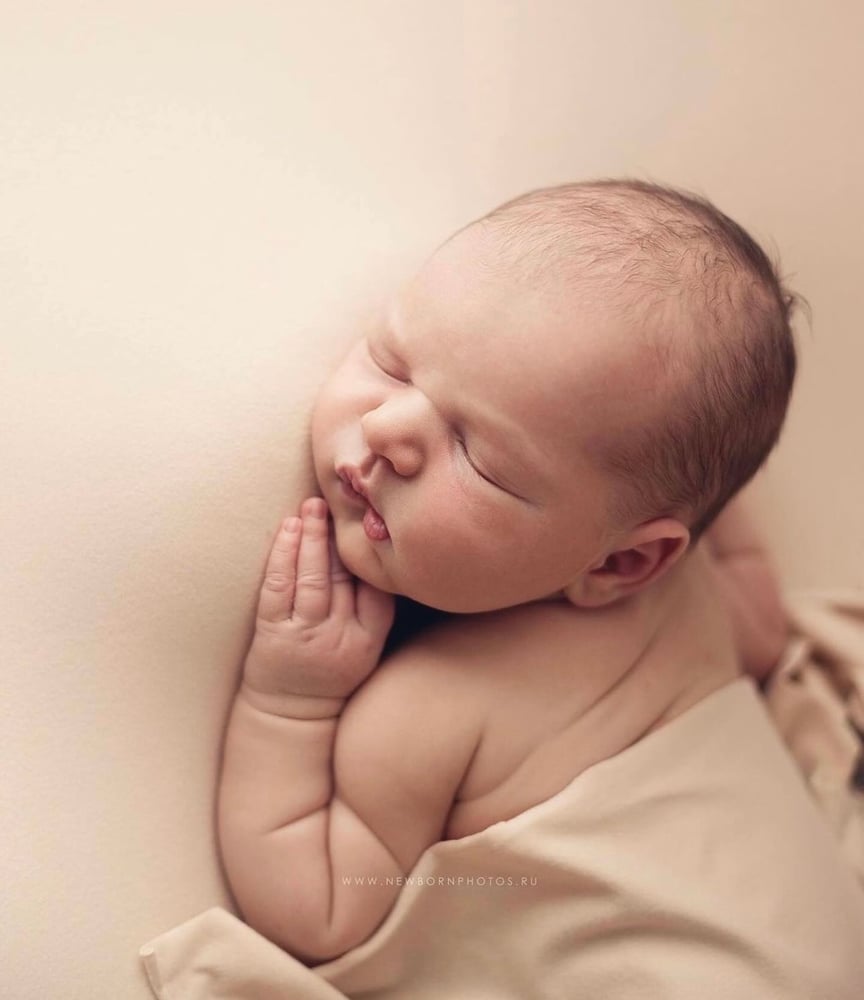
pixel 318 631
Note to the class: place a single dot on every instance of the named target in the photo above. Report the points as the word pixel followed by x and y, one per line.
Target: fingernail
pixel 316 507
pixel 291 525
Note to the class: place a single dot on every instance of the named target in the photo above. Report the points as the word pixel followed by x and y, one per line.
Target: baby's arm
pixel 312 801
pixel 745 575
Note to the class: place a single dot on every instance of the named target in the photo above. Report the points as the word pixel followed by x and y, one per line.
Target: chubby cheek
pixel 451 546
pixel 482 558
pixel 440 517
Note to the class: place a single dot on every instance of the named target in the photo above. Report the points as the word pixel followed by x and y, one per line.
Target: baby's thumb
pixel 375 609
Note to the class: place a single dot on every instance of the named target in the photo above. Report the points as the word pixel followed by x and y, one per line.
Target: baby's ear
pixel 642 558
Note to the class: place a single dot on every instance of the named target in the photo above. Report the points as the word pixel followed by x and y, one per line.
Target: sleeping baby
pixel 537 438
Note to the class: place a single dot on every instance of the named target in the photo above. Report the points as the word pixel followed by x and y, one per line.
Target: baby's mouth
pixel 373 523
pixel 352 487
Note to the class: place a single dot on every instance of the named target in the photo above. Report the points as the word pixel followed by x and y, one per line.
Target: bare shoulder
pixel 519 673
pixel 564 688
pixel 482 716
pixel 404 743
pixel 408 740
pixel 430 693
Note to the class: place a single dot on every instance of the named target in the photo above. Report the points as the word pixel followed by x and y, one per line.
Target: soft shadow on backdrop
pixel 197 206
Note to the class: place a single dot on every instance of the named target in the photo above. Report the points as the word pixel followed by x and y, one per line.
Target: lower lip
pixel 374 526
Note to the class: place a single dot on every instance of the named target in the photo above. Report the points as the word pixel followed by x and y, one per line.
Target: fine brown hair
pixel 682 266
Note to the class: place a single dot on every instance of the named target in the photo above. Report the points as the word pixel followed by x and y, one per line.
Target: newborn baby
pixel 533 438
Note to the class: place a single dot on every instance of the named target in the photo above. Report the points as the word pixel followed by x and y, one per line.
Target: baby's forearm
pixel 274 798
pixel 289 842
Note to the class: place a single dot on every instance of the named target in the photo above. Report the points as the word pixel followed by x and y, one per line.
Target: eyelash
pixel 485 479
pixel 384 371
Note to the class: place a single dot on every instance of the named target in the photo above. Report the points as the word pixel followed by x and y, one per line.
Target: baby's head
pixel 560 401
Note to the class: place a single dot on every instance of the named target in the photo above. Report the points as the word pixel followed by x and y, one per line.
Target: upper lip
pixel 351 474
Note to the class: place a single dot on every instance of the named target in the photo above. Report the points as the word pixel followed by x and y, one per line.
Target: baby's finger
pixel 375 609
pixel 341 586
pixel 277 591
pixel 312 591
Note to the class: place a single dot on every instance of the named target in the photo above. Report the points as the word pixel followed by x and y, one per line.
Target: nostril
pixel 397 432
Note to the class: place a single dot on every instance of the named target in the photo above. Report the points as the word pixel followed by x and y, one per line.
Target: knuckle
pixel 312 580
pixel 266 631
pixel 277 582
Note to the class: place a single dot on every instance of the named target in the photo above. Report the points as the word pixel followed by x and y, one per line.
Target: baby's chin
pixel 365 565
pixel 362 561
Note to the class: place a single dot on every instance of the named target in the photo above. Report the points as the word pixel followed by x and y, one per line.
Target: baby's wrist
pixel 288 705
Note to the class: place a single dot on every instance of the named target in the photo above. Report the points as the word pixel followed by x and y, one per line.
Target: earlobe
pixel 645 555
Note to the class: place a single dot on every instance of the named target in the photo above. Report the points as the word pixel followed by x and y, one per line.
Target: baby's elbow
pixel 296 922
pixel 354 917
pixel 317 954
pixel 308 945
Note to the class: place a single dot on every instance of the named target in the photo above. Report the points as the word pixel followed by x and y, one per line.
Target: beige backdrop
pixel 195 201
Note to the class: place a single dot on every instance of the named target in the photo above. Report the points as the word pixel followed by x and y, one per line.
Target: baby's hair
pixel 712 305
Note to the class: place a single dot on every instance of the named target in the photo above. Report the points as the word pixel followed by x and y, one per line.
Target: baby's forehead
pixel 570 345
pixel 468 289
pixel 660 279
pixel 552 274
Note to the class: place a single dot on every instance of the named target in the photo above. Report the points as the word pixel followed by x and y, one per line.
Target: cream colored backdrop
pixel 196 200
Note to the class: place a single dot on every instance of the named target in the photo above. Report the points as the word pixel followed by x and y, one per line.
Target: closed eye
pixel 507 490
pixel 482 475
pixel 391 370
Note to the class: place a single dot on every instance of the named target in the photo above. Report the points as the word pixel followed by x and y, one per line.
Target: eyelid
pixel 462 445
pixel 492 482
pixel 385 368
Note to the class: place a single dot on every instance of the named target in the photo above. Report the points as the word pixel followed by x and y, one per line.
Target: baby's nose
pixel 400 430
